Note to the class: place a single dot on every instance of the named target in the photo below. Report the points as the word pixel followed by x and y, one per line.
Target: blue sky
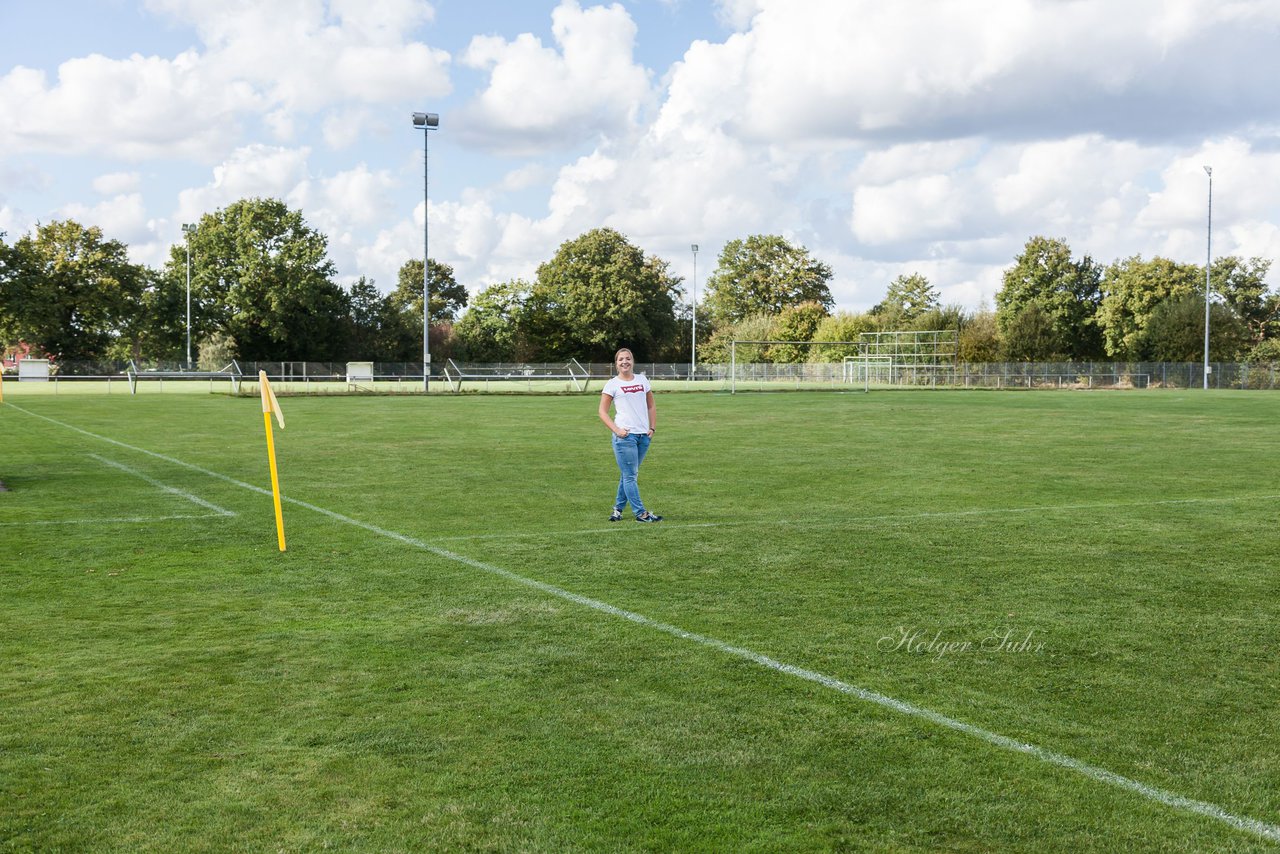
pixel 917 136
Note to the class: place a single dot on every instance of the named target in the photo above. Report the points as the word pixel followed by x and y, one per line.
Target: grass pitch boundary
pixel 164 487
pixel 1256 827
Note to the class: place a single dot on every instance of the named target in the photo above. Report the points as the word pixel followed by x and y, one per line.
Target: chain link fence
pixel 301 377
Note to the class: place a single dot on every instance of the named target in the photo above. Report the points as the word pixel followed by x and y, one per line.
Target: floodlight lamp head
pixel 426 120
pixel 188 228
pixel 1208 170
pixel 694 247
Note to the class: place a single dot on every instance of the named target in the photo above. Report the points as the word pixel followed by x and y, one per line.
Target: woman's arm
pixel 653 412
pixel 605 401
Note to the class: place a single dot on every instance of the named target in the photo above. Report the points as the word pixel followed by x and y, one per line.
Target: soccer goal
pixel 779 365
pixel 903 359
pixel 560 376
pixel 230 374
pixel 924 358
pixel 867 370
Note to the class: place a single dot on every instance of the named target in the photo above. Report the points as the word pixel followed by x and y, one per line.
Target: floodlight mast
pixel 693 350
pixel 1208 263
pixel 187 230
pixel 426 121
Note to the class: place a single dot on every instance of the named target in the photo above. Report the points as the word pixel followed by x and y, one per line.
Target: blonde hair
pixel 622 350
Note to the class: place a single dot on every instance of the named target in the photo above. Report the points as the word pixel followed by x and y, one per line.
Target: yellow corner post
pixel 269 406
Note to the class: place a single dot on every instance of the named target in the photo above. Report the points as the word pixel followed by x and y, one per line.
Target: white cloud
pixel 123 217
pixel 539 96
pixel 307 54
pixel 738 14
pixel 917 69
pixel 12 222
pixel 344 128
pixel 529 175
pixel 138 108
pixel 254 171
pixel 1246 185
pixel 116 183
pixel 922 207
pixel 274 61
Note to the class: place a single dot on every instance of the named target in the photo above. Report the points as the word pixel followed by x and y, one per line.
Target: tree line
pixel 263 289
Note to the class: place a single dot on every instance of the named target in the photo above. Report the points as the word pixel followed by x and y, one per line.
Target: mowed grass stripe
pixel 893 518
pixel 1262 829
pixel 164 487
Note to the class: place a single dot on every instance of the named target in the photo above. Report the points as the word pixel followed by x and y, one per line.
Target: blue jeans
pixel 629 453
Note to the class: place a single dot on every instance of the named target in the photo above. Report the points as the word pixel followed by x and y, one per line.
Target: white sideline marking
pixel 123 520
pixel 1254 826
pixel 172 490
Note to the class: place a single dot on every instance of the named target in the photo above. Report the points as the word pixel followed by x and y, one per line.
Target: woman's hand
pixel 620 433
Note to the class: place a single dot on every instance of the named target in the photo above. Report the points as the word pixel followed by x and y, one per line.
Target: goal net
pixel 908 359
pixel 915 358
pixel 779 365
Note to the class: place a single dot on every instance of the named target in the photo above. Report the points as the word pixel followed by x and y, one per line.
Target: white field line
pixel 847 521
pixel 122 520
pixel 172 490
pixel 1262 829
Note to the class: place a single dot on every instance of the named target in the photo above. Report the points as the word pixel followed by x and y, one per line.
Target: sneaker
pixel 615 516
pixel 646 516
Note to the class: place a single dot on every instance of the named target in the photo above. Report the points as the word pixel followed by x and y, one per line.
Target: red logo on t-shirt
pixel 632 389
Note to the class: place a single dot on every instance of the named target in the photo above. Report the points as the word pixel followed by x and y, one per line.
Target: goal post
pixel 860 370
pixel 816 370
pixel 912 358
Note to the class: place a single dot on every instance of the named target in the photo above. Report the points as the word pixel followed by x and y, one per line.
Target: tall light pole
pixel 187 230
pixel 693 351
pixel 426 121
pixel 1208 262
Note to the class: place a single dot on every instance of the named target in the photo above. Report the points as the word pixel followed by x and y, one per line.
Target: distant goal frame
pixel 889 355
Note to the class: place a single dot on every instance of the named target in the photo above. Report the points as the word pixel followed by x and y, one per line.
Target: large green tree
pixel 402 334
pixel 980 339
pixel 1243 284
pixel 1175 331
pixel 845 327
pixel 68 290
pixel 1032 336
pixel 262 275
pixel 155 329
pixel 797 323
pixel 378 330
pixel 495 327
pixel 758 327
pixel 1066 293
pixel 908 298
pixel 763 275
pixel 598 293
pixel 447 296
pixel 1132 288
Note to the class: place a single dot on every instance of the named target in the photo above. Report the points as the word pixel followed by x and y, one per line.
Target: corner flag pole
pixel 269 406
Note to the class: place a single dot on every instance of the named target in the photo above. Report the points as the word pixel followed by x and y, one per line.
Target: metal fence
pixel 1222 375
pixel 463 377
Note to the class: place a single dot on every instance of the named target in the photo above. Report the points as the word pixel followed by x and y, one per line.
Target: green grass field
pixel 458 651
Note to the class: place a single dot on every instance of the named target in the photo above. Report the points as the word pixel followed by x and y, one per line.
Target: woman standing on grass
pixel 632 425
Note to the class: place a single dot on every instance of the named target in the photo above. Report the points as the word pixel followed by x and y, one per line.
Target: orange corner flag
pixel 271 405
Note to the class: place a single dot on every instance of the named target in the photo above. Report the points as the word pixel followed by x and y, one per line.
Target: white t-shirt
pixel 630 402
